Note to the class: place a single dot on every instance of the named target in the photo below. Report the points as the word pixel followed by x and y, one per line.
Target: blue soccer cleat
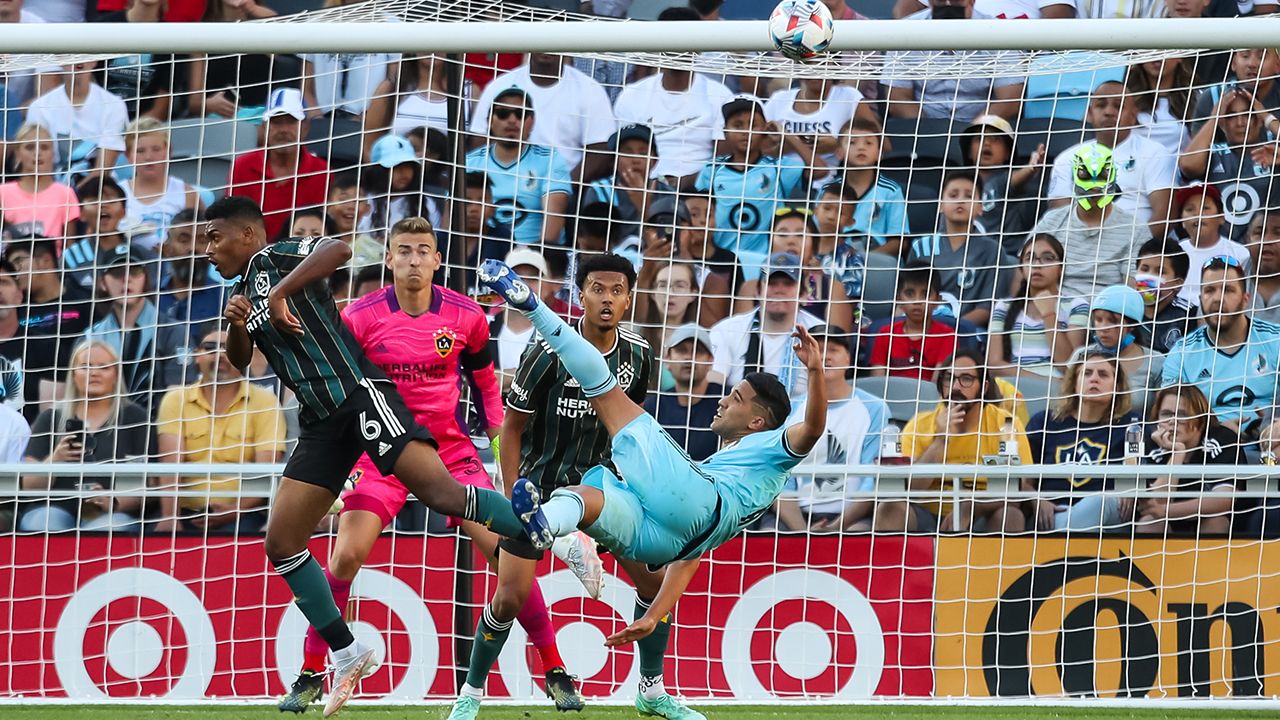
pixel 528 508
pixel 503 280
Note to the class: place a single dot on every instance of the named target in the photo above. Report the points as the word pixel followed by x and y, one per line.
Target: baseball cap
pixel 1184 194
pixel 689 331
pixel 664 209
pixel 634 131
pixel 741 103
pixel 527 256
pixel 285 101
pixel 127 254
pixel 831 332
pixel 393 150
pixel 994 122
pixel 783 263
pixel 512 96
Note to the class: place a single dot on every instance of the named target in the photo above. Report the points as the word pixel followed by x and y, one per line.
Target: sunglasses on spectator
pixel 1221 262
pixel 502 113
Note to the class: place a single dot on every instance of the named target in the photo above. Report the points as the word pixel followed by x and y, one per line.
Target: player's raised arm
pixel 802 437
pixel 674 583
pixel 324 260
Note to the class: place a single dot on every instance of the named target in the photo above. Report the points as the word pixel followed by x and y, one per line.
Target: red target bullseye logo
pixel 802 633
pixel 131 633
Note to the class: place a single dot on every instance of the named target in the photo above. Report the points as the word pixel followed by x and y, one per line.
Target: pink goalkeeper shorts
pixel 384 495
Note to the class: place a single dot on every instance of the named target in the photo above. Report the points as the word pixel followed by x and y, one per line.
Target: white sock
pixel 651 688
pixel 563 512
pixel 474 693
pixel 346 653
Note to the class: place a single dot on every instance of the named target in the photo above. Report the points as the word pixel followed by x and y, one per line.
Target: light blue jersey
pixel 1237 384
pixel 520 189
pixel 746 201
pixel 881 213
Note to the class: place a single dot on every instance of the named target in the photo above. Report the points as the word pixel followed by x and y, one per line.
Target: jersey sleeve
pixel 477 362
pixel 1060 175
pixel 537 368
pixel 780 454
pixel 703 182
pixel 790 173
pixel 1171 371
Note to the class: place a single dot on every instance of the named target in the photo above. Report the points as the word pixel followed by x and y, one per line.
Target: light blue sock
pixel 563 511
pixel 580 357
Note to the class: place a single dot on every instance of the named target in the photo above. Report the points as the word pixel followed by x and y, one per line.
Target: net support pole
pixel 456 278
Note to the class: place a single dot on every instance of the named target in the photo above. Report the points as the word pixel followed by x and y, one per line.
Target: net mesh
pixel 912 204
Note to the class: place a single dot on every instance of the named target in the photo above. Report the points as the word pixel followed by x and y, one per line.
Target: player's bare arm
pixel 323 261
pixel 239 344
pixel 802 437
pixel 674 583
pixel 513 427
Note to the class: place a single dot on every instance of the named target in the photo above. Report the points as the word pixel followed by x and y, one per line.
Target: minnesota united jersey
pixel 1239 383
pixel 746 200
pixel 1244 183
pixel 520 190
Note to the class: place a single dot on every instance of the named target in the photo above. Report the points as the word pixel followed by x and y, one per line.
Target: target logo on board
pixel 134 633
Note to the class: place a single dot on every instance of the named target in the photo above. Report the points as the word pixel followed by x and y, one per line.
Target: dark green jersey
pixel 563 438
pixel 324 364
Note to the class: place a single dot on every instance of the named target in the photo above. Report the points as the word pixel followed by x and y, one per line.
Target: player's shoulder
pixel 375 303
pixel 633 339
pixel 459 302
pixel 886 184
pixel 1267 330
pixel 1198 338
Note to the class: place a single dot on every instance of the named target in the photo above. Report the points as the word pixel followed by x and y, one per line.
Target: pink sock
pixel 314 644
pixel 536 620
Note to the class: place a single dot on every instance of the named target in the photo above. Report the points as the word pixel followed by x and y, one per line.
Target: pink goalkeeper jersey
pixel 429 356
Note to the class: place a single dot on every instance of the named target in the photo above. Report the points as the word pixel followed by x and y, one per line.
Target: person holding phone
pixel 91 423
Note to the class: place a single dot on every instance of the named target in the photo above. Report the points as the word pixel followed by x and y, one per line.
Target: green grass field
pixel 713 712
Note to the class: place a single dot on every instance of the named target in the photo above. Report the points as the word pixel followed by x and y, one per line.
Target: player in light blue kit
pixel 665 509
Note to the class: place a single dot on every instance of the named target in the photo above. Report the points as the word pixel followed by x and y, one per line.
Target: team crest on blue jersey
pixel 444 341
pixel 1261 364
pixel 966 278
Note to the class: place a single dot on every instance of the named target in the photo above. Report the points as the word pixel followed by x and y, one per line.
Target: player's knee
pixel 279 550
pixel 345 563
pixel 507 602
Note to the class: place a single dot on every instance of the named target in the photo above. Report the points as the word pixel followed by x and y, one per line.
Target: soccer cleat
pixel 502 280
pixel 464 708
pixel 563 691
pixel 528 509
pixel 666 707
pixel 579 552
pixel 345 678
pixel 307 689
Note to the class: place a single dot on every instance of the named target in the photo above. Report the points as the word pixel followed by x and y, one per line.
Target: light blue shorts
pixel 662 501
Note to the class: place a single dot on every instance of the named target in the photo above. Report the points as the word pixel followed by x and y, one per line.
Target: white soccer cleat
pixel 579 552
pixel 346 676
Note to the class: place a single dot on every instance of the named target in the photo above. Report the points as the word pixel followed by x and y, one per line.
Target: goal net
pixel 1045 284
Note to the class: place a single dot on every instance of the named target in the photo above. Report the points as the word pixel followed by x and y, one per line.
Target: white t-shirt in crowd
pixel 102 118
pixel 1163 128
pixel 55 11
pixel 1014 9
pixel 1199 256
pixel 731 339
pixel 1142 166
pixel 415 111
pixel 511 346
pixel 686 125
pixel 838 109
pixel 347 81
pixel 843 442
pixel 20 84
pixel 14 435
pixel 567 116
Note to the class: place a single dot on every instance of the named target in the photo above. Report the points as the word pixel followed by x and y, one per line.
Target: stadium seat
pixel 880 279
pixel 920 142
pixel 905 396
pixel 1036 391
pixel 1057 134
pixel 206 172
pixel 339 141
pixel 1054 90
pixel 211 138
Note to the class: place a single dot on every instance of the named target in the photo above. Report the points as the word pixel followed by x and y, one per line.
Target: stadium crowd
pixel 998 273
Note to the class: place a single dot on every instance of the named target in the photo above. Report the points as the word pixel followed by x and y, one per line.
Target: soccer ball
pixel 801 29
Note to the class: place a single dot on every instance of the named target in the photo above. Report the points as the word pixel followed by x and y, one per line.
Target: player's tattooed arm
pixel 324 260
pixel 802 437
pixel 674 583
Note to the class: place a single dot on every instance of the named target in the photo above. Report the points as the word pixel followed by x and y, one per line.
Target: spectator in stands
pixel 855 419
pixel 667 297
pixel 152 196
pixel 93 422
pixel 152 352
pixel 720 275
pixel 1145 171
pixel 83 110
pixel 575 116
pixel 1116 318
pixel 811 116
pixel 748 184
pixel 760 340
pixel 684 110
pixel 1161 270
pixel 918 344
pixel 958 100
pixel 191 292
pixel 840 256
pixel 821 291
pixel 1011 196
pixel 102 208
pixel 307 223
pixel 232 86
pixel 1165 93
pixel 222 418
pixel 1183 431
pixel 282 176
pixel 1232 358
pixel 481 235
pixel 1264 246
pixel 1200 212
pixel 1000 9
pixel 145 81
pixel 1253 70
pixel 1094 231
pixel 13 337
pixel 529 183
pixel 631 185
pixel 345 85
pixel 1085 425
pixel 1038 327
pixel 343 210
pixel 415 95
pixel 35 197
pixel 54 318
pixel 966 428
pixel 1234 151
pixel 686 407
pixel 970 266
pixel 395 188
pixel 16 86
pixel 881 209
pixel 15 433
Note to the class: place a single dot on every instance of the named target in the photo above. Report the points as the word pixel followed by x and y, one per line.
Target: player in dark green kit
pixel 281 304
pixel 559 437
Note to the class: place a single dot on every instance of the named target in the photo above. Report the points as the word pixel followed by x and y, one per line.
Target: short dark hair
pixel 475 180
pixel 344 180
pixel 7 268
pixel 235 208
pixel 371 273
pixel 679 13
pixel 917 274
pixel 771 397
pixel 838 187
pixel 1174 256
pixel 33 247
pixel 953 175
pixel 186 216
pixel 605 262
pixel 990 390
pixel 92 188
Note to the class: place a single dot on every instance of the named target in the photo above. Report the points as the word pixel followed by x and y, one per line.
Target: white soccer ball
pixel 801 29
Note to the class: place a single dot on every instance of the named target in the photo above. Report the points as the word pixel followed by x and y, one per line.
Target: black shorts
pixel 373 420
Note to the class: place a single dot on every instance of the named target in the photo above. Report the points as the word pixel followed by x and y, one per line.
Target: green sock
pixel 493 510
pixel 652 649
pixel 491 635
pixel 314 598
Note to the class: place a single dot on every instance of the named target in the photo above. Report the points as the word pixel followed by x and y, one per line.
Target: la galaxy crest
pixel 261 284
pixel 444 341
